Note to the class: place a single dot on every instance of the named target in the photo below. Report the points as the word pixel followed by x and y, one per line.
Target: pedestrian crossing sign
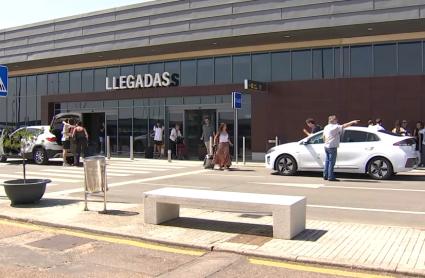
pixel 3 81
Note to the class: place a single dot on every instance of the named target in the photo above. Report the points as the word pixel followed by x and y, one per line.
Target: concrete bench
pixel 289 212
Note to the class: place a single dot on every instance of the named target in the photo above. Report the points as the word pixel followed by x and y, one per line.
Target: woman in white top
pixel 222 155
pixel 157 139
pixel 175 134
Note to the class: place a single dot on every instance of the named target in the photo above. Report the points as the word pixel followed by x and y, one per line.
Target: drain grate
pixel 60 242
pixel 250 239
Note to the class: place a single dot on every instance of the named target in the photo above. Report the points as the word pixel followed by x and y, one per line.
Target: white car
pixel 41 148
pixel 362 150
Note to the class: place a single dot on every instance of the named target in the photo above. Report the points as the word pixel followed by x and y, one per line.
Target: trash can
pixel 95 177
pixel 95 173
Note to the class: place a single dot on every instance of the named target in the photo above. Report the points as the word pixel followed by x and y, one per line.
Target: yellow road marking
pixel 314 269
pixel 110 239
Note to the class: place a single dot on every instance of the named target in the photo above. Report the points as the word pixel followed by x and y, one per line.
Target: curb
pixel 212 248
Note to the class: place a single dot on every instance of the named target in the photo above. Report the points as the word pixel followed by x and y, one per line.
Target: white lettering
pixel 114 83
pixel 139 81
pixel 157 80
pixel 166 81
pixel 107 84
pixel 130 81
pixel 122 82
pixel 148 80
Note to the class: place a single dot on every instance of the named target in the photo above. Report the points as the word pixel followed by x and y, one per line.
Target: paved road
pixel 38 251
pixel 355 199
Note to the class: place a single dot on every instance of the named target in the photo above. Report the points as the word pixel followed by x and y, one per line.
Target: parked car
pixel 380 154
pixel 43 146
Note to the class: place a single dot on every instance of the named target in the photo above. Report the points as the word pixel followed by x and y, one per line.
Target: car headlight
pixel 271 150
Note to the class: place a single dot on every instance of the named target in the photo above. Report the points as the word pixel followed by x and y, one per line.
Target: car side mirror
pixel 304 143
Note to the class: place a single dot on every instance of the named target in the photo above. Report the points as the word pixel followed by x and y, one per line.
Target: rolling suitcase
pixel 149 152
pixel 209 162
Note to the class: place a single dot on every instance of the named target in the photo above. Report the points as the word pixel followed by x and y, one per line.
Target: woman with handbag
pixel 222 156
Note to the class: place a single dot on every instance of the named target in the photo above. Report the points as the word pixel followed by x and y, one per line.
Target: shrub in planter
pixel 23 191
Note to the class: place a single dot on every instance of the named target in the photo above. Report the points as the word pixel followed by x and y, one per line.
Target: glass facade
pixel 136 117
pixel 403 58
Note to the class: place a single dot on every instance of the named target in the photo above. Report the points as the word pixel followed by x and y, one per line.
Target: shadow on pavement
pixel 46 203
pixel 120 212
pixel 310 235
pixel 240 170
pixel 221 226
pixel 238 228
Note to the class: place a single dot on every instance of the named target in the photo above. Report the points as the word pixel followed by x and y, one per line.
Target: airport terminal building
pixel 177 61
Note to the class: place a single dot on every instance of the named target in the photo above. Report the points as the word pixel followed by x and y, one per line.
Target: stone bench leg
pixel 157 213
pixel 288 222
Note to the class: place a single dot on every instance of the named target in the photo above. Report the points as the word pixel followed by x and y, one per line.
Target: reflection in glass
pixel 281 66
pixel 63 83
pixel 301 64
pixel 361 61
pixel 188 73
pixel 261 67
pixel 241 68
pixel 140 129
pixel 75 81
pixel 125 125
pixel 99 80
pixel 410 58
pixel 385 59
pixel 87 81
pixel 223 70
pixel 205 71
pixel 52 83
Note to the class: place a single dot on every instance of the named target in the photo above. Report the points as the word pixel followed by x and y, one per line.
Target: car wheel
pixel 3 158
pixel 380 168
pixel 286 165
pixel 40 156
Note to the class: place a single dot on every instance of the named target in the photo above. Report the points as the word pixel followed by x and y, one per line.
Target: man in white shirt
pixel 378 125
pixel 158 131
pixel 332 136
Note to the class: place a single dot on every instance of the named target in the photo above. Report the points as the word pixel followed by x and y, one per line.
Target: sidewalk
pixel 373 247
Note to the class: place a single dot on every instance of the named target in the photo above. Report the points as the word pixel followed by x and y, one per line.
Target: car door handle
pixel 369 148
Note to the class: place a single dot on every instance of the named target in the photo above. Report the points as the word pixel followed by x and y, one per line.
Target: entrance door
pixel 193 121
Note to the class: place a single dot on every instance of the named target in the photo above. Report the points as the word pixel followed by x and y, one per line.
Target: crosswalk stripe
pixel 73 175
pixel 135 169
pixel 38 176
pixel 116 172
pixel 145 165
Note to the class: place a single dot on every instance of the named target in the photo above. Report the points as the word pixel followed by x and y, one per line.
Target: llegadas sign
pixel 138 81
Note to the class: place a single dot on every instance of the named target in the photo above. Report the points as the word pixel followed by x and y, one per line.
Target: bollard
pixel 210 151
pixel 108 147
pixel 276 141
pixel 243 150
pixel 131 148
pixel 169 155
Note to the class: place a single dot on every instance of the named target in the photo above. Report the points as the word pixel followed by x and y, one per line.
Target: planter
pixel 29 192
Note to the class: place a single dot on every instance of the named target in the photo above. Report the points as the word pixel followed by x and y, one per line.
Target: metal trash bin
pixel 95 179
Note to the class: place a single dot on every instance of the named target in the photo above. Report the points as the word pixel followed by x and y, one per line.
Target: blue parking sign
pixel 3 81
pixel 236 100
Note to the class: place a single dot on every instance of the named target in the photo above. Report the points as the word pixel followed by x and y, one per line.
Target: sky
pixel 21 12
